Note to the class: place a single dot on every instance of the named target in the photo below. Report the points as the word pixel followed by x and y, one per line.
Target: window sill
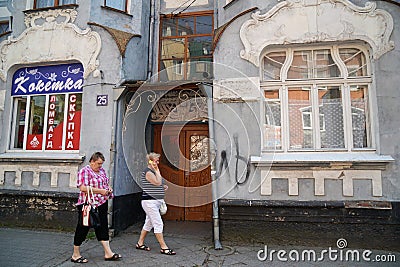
pixel 116 10
pixel 365 159
pixel 69 6
pixel 42 157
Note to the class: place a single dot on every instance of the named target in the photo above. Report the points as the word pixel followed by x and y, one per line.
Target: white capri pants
pixel 153 217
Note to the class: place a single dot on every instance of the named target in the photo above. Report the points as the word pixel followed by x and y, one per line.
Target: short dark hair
pixel 96 156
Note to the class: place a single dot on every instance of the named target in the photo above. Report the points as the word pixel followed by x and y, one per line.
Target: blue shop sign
pixel 54 79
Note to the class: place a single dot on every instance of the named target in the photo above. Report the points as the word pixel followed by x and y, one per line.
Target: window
pixel 4 27
pixel 52 3
pixel 325 86
pixel 121 5
pixel 47 108
pixel 186 40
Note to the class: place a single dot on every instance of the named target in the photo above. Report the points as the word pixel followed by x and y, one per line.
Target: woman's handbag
pixel 163 208
pixel 90 214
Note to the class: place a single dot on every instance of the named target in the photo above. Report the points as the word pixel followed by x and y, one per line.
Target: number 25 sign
pixel 102 100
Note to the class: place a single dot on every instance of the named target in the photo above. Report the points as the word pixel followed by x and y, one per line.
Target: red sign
pixel 72 136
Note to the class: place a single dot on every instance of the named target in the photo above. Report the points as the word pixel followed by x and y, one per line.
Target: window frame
pixel 344 81
pixel 125 10
pixel 56 4
pixel 185 59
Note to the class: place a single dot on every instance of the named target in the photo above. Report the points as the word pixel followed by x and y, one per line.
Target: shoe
pixel 115 257
pixel 142 247
pixel 168 251
pixel 80 260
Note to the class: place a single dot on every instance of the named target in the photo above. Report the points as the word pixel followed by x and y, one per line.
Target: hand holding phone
pixel 153 164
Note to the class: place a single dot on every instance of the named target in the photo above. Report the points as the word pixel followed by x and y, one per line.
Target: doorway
pixel 185 165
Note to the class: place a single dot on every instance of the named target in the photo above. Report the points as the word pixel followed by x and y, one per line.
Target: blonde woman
pixel 152 197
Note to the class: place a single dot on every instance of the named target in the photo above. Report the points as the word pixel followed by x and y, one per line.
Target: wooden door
pixel 185 165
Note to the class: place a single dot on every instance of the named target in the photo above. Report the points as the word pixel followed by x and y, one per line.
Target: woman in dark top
pixel 152 197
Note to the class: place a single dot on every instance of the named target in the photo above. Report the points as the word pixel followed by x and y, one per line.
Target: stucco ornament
pixel 51 36
pixel 311 21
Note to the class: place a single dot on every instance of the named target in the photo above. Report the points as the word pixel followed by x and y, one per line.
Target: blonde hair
pixel 152 156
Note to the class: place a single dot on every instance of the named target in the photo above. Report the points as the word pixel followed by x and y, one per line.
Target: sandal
pixel 115 257
pixel 142 247
pixel 80 260
pixel 167 251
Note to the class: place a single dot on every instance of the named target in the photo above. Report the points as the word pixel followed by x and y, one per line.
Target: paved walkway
pixel 191 241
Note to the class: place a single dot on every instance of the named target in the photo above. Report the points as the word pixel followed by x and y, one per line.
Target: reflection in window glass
pixel 36 123
pixel 359 111
pixel 355 61
pixel 312 83
pixel 169 27
pixel 299 101
pixel 171 70
pixel 4 27
pixel 52 3
pixel 186 26
pixel 173 48
pixel 273 64
pixel 117 4
pixel 19 121
pixel 180 41
pixel 313 64
pixel 199 46
pixel 200 68
pixel 204 25
pixel 331 111
pixel 272 135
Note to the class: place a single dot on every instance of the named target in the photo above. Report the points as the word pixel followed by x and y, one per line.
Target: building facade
pixel 62 66
pixel 261 110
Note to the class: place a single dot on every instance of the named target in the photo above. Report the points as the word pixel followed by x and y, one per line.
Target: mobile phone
pixel 150 162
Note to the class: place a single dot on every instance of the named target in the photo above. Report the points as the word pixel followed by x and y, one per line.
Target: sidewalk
pixel 192 242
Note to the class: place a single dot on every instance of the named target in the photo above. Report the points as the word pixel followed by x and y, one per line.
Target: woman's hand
pixel 105 192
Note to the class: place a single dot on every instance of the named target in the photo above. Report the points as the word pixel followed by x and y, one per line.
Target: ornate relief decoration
pixel 347 177
pixel 51 36
pixel 309 21
pixel 121 38
pixel 184 105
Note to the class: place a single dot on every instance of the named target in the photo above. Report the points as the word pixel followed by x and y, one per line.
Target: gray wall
pixel 386 81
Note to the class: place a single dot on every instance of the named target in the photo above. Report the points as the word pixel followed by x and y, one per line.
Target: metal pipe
pixel 150 44
pixel 207 90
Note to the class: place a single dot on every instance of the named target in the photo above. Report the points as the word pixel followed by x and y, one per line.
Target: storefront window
pixel 48 100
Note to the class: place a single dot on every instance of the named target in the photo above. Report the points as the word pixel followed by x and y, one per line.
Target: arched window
pixel 317 98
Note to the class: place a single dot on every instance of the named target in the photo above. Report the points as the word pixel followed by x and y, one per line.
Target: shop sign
pixel 54 79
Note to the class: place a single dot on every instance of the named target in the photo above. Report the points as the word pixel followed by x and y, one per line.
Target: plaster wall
pixel 96 121
pixel 384 95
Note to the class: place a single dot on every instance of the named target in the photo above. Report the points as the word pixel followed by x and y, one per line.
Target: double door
pixel 185 165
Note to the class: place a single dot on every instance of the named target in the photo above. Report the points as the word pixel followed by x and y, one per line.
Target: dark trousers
pixel 101 232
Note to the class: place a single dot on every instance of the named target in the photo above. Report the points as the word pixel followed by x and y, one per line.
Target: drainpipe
pixel 151 36
pixel 206 88
pixel 117 91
